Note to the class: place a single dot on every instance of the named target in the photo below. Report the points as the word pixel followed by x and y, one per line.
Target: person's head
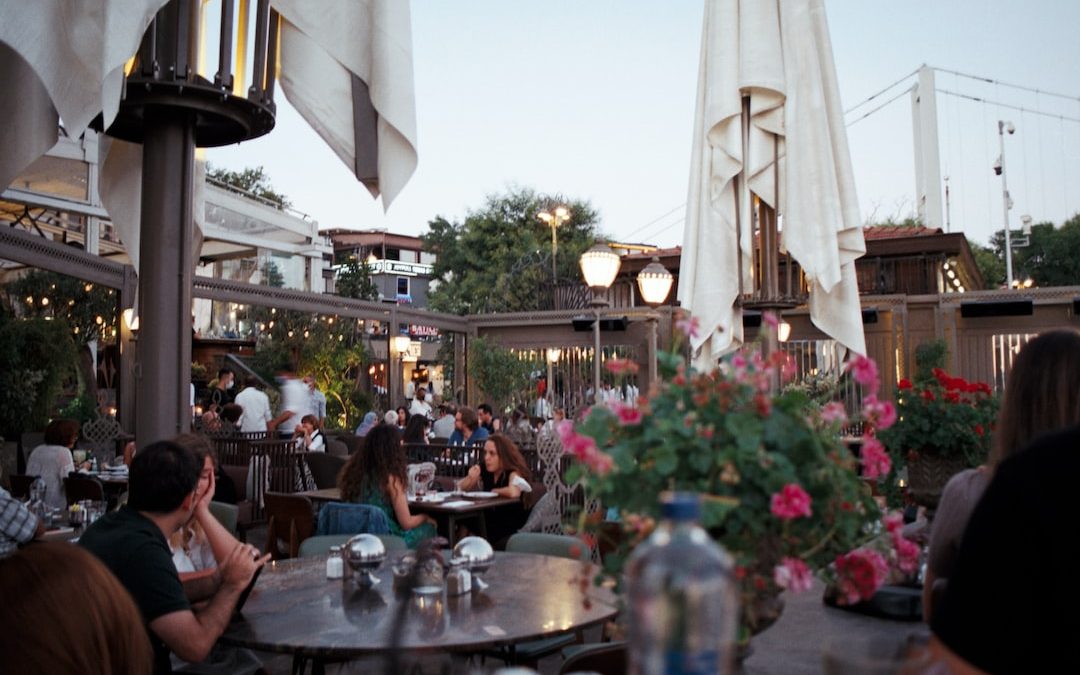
pixel 402 416
pixel 421 394
pixel 309 422
pixel 501 455
pixel 484 412
pixel 62 432
pixel 370 468
pixel 204 456
pixel 309 382
pixel 416 430
pixel 231 412
pixel 390 418
pixel 61 589
pixel 252 382
pixel 225 378
pixel 163 478
pixel 560 414
pixel 466 420
pixel 1042 392
pixel 519 413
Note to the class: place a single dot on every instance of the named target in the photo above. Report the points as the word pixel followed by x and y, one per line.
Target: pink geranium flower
pixel 793 574
pixel 834 412
pixel 688 325
pixel 881 414
pixel 864 371
pixel 875 460
pixel 621 366
pixel 628 415
pixel 859 574
pixel 791 502
pixel 907 553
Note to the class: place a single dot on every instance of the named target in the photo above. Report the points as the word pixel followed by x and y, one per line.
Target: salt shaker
pixel 458 579
pixel 335 564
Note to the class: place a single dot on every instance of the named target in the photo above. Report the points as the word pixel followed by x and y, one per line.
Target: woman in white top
pixel 52 460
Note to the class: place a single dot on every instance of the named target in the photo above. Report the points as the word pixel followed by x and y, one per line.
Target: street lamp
pixel 553 355
pixel 654 282
pixel 999 168
pixel 561 215
pixel 599 266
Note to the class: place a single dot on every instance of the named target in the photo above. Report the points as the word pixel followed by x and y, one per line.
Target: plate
pixel 431 499
pixel 479 495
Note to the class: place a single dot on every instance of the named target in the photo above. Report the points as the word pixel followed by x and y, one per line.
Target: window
pixel 402 286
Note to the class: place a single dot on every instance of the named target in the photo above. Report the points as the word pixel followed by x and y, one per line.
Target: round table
pixel 295 609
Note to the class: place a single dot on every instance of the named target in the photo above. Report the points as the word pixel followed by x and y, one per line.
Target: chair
pixel 78 488
pixel 337 448
pixel 543 513
pixel 226 514
pixel 324 468
pixel 559 545
pixel 320 544
pixel 290 521
pixel 20 485
pixel 608 658
pixel 346 518
pixel 245 510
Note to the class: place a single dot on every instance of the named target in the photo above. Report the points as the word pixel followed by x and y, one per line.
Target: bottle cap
pixel 680 506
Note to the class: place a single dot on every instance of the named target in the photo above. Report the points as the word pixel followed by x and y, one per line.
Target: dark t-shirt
pixel 1010 605
pixel 503 521
pixel 135 550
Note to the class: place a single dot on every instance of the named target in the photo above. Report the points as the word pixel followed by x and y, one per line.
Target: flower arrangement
pixel 946 415
pixel 780 490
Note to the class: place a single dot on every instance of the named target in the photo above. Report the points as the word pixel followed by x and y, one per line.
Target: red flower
pixel 791 502
pixel 859 574
pixel 928 395
pixel 979 431
pixel 952 397
pixel 904 384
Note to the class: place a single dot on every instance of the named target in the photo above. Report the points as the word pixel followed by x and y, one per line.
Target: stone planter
pixel 928 472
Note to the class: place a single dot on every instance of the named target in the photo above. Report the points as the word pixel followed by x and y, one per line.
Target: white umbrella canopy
pixel 778 54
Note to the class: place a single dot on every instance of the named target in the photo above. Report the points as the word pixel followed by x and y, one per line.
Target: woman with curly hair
pixel 376 475
pixel 504 472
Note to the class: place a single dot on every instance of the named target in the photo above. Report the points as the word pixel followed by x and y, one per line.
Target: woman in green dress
pixel 376 475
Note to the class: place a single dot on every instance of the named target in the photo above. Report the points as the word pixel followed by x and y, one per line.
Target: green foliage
pixel 250 180
pixel 500 374
pixel 930 356
pixel 990 264
pixel 354 281
pixel 1052 257
pixel 36 356
pixel 498 258
pixel 272 276
pixel 88 309
pixel 83 408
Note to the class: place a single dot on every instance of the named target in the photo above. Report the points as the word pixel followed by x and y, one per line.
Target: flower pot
pixel 928 472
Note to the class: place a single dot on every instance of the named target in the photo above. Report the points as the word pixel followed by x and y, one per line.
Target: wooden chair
pixel 78 488
pixel 607 658
pixel 324 468
pixel 290 521
pixel 20 485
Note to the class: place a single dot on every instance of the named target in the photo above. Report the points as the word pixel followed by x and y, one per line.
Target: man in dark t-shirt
pixel 1010 604
pixel 167 489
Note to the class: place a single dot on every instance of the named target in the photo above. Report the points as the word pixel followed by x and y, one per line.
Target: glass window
pixel 403 285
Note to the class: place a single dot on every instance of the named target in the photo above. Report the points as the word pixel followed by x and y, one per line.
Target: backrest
pixel 290 519
pixel 607 658
pixel 531 499
pixel 336 448
pixel 320 544
pixel 20 485
pixel 78 488
pixel 346 518
pixel 559 545
pixel 226 514
pixel 238 475
pixel 324 468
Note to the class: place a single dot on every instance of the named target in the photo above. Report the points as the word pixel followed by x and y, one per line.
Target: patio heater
pixel 174 100
pixel 654 282
pixel 599 266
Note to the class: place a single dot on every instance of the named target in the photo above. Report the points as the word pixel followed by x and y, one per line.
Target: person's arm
pixel 200 585
pixel 191 635
pixel 16 521
pixel 512 491
pixel 470 481
pixel 220 540
pixel 404 517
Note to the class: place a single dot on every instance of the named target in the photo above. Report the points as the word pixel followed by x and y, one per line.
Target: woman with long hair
pixel 504 472
pixel 1042 395
pixel 52 460
pixel 416 430
pixel 64 613
pixel 376 475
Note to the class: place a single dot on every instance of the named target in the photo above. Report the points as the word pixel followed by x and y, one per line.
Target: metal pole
pixel 596 357
pixel 1005 208
pixel 549 393
pixel 654 323
pixel 554 269
pixel 163 371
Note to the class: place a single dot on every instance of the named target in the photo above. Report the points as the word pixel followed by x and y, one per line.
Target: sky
pixel 594 100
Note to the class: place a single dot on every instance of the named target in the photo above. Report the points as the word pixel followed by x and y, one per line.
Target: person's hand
pixel 240 565
pixel 206 497
pixel 474 472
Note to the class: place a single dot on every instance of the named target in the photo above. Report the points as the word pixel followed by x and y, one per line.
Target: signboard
pixel 403 268
pixel 423 331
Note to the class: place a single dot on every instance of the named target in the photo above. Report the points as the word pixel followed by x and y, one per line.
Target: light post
pixel 654 282
pixel 400 345
pixel 553 355
pixel 560 215
pixel 599 266
pixel 999 168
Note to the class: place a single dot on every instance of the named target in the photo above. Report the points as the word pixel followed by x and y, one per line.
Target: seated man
pixel 164 493
pixel 17 524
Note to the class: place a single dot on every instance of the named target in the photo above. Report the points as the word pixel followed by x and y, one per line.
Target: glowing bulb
pixel 98 320
pixel 29 299
pixel 44 302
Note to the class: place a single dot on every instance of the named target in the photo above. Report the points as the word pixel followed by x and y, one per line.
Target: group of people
pixel 302 415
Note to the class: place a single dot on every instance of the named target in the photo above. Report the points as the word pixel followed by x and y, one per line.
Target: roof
pixel 899 231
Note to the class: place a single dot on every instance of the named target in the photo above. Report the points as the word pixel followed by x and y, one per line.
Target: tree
pixel 499 258
pixel 36 356
pixel 250 180
pixel 1051 258
pixel 500 374
pixel 990 264
pixel 354 281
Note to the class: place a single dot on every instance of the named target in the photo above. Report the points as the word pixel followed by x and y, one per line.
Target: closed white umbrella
pixel 769 122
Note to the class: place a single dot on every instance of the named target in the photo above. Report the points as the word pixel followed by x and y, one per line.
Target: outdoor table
pixel 451 510
pixel 295 609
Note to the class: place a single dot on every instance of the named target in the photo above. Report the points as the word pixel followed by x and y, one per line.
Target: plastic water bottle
pixel 683 602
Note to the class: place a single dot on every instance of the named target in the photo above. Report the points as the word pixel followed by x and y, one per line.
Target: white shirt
pixel 256 405
pixel 53 463
pixel 418 407
pixel 296 398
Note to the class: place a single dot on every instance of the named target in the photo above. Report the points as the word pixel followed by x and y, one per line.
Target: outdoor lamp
pixel 553 354
pixel 600 265
pixel 401 343
pixel 131 319
pixel 561 215
pixel 783 331
pixel 654 282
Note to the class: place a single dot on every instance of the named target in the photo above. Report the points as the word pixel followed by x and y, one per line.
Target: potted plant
pixel 781 492
pixel 944 425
